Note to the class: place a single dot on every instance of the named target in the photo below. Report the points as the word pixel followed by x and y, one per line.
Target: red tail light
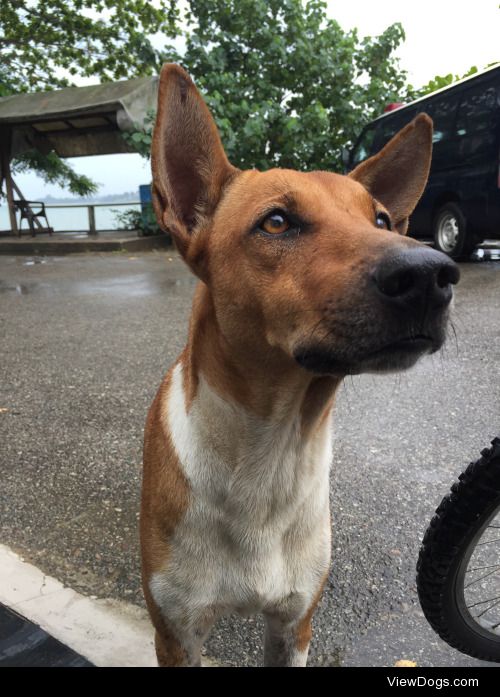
pixel 393 106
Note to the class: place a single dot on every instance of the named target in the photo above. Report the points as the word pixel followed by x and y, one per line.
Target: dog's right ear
pixel 188 161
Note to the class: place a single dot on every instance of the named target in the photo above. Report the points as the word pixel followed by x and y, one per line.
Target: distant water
pixel 75 218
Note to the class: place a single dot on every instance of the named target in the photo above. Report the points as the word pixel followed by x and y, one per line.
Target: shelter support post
pixel 5 155
pixel 92 227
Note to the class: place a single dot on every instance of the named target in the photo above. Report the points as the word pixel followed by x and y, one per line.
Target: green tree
pixel 45 44
pixel 440 81
pixel 53 170
pixel 287 86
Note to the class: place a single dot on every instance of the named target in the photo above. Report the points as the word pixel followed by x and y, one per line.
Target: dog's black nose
pixel 416 276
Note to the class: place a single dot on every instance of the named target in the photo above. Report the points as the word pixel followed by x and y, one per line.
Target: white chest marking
pixel 257 528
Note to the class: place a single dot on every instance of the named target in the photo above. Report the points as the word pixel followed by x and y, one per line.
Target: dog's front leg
pixel 181 647
pixel 287 642
pixel 288 628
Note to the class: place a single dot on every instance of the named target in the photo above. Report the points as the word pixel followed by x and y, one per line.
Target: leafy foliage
pixel 440 81
pixel 44 44
pixel 287 86
pixel 141 137
pixel 142 221
pixel 54 170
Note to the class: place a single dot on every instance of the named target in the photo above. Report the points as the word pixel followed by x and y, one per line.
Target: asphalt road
pixel 85 340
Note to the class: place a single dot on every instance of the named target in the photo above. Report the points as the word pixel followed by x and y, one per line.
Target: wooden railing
pixel 92 229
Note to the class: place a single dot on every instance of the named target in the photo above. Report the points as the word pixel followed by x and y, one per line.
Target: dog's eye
pixel 275 224
pixel 383 221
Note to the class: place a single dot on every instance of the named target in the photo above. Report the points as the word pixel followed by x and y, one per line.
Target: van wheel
pixel 450 232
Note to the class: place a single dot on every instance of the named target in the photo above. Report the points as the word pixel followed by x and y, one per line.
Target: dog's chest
pixel 257 527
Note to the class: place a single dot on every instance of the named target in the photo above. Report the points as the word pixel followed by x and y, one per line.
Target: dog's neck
pixel 257 383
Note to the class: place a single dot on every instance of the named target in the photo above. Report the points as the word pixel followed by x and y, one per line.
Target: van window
pixel 477 110
pixel 364 146
pixel 443 112
pixel 392 124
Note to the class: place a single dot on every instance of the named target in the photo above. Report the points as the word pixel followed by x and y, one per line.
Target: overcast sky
pixel 442 36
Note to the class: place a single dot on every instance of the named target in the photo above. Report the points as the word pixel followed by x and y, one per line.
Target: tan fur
pixel 169 651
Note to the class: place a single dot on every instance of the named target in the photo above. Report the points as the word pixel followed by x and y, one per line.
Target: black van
pixel 461 204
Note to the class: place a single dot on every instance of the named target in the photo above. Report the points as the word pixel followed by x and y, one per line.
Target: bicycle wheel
pixel 458 569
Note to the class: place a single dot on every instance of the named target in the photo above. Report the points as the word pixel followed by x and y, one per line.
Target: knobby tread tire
pixel 462 512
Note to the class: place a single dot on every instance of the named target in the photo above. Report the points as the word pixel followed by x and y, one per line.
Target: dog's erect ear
pixel 397 175
pixel 188 161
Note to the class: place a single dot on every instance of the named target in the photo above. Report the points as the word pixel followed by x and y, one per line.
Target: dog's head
pixel 314 266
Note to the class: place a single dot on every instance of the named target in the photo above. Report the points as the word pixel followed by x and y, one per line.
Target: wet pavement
pixel 85 340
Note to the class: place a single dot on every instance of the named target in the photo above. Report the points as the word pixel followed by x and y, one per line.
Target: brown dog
pixel 305 278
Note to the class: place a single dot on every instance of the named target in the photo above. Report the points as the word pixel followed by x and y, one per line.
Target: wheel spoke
pixel 476 580
pixel 458 576
pixel 489 608
pixel 490 572
pixel 488 542
pixel 480 568
pixel 482 602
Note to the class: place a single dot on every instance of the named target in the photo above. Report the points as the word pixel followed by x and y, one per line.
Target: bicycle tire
pixel 447 546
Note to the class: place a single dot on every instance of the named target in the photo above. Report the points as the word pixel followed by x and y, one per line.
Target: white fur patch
pixel 256 536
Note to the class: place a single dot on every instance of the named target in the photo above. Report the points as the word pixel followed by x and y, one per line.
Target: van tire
pixel 451 233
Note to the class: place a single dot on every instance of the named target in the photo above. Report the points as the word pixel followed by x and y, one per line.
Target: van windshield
pixel 364 146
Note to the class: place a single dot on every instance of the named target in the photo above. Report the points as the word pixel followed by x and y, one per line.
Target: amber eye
pixel 275 224
pixel 383 221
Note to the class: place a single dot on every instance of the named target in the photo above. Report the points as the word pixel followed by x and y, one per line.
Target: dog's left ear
pixel 189 165
pixel 397 175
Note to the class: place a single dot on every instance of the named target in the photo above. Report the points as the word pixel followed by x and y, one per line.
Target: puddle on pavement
pixel 176 282
pixel 133 286
pixel 18 288
pixel 126 286
pixel 32 262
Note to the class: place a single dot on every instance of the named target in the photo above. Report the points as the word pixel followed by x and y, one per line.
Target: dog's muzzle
pixel 401 315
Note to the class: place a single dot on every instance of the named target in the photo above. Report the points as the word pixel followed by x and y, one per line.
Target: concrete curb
pixel 55 247
pixel 107 632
